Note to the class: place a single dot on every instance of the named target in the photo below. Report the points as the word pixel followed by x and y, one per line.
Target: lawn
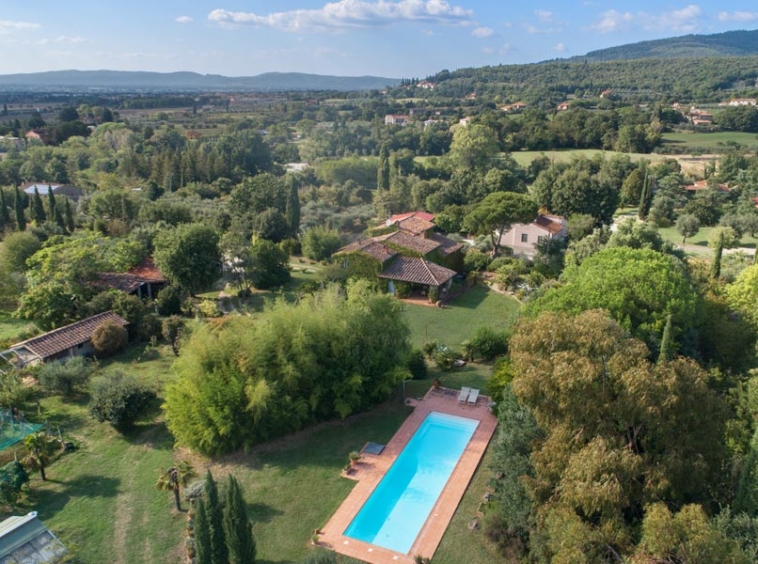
pixel 701 239
pixel 715 142
pixel 524 158
pixel 100 499
pixel 14 330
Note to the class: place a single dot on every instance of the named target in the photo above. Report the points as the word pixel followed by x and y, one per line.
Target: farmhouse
pixel 24 539
pixel 65 342
pixel 703 185
pixel 143 280
pixel 522 237
pixel 395 119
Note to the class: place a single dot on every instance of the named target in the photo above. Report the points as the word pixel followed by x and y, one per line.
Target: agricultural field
pixel 523 158
pixel 716 142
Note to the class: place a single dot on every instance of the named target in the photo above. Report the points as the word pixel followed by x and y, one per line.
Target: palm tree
pixel 40 449
pixel 174 479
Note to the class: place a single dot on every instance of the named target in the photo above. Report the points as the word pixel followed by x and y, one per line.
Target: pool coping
pixel 369 471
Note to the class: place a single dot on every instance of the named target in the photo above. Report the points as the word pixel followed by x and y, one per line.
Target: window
pixel 524 237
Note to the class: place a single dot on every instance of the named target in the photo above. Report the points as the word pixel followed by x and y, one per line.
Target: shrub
pixel 444 357
pixel 109 338
pixel 475 261
pixel 291 246
pixel 171 330
pixel 12 477
pixel 64 376
pixel 119 400
pixel 416 364
pixel 208 308
pixel 429 348
pixel 320 242
pixel 169 301
pixel 488 343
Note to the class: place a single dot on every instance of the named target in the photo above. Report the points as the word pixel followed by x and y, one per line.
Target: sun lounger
pixel 473 396
pixel 463 396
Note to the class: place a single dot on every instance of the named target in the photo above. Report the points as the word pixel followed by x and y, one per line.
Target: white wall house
pixel 522 237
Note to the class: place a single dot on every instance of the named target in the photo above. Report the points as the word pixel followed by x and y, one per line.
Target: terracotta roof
pixel 415 225
pixel 119 281
pixel 416 244
pixel 447 246
pixel 59 340
pixel 550 224
pixel 703 185
pixel 401 216
pixel 148 271
pixel 370 247
pixel 417 270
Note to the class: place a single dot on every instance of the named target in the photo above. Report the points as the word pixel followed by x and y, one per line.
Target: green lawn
pixel 701 239
pixel 14 330
pixel 478 306
pixel 100 499
pixel 715 141
pixel 523 158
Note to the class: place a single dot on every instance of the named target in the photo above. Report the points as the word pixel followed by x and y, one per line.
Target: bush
pixel 416 364
pixel 320 242
pixel 169 301
pixel 119 400
pixel 208 308
pixel 12 477
pixel 271 265
pixel 291 246
pixel 109 338
pixel 475 261
pixel 488 343
pixel 63 377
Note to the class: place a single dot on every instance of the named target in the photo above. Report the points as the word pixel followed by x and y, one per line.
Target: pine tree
pixel 292 212
pixel 383 172
pixel 50 202
pixel 215 514
pixel 69 216
pixel 37 209
pixel 18 207
pixel 237 526
pixel 203 552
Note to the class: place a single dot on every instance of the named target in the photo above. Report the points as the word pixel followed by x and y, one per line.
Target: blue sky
pixel 393 38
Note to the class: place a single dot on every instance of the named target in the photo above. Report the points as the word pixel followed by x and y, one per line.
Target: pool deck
pixel 369 471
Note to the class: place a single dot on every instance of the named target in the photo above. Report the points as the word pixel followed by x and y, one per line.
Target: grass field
pixel 101 502
pixel 716 141
pixel 14 330
pixel 701 239
pixel 523 158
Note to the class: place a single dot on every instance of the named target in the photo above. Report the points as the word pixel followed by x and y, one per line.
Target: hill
pixel 75 80
pixel 729 43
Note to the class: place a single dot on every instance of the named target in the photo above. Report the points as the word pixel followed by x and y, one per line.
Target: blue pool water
pixel 399 506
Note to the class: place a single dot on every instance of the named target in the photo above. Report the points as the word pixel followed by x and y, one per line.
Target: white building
pixel 523 237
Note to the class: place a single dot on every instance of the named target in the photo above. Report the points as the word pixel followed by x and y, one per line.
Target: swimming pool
pixel 394 514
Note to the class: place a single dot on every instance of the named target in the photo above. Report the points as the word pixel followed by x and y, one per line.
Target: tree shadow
pixel 262 512
pixel 49 502
pixel 150 433
pixel 471 298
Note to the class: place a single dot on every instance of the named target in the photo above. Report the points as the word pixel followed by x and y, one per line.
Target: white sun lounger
pixel 463 396
pixel 473 396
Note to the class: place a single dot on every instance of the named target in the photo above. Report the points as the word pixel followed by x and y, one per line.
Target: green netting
pixel 13 429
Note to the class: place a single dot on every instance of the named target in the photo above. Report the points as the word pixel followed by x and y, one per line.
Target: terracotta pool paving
pixel 371 469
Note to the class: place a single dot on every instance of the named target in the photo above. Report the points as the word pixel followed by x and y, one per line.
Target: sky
pixel 389 38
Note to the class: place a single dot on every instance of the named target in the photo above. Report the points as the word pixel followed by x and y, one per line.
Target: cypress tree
pixel 18 207
pixel 292 212
pixel 69 216
pixel 201 528
pixel 717 252
pixel 50 202
pixel 646 199
pixel 383 171
pixel 37 209
pixel 59 220
pixel 666 343
pixel 746 500
pixel 5 218
pixel 215 514
pixel 237 526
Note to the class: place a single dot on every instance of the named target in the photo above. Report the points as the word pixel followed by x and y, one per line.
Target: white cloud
pixel 738 16
pixel 685 20
pixel 482 32
pixel 560 47
pixel 183 19
pixel 544 15
pixel 9 25
pixel 62 39
pixel 534 29
pixel 350 14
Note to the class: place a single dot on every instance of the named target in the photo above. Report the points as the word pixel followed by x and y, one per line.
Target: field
pixel 699 242
pixel 523 158
pixel 101 502
pixel 715 142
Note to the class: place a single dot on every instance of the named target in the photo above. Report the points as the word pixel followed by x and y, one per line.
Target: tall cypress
pixel 215 514
pixel 646 199
pixel 18 207
pixel 292 211
pixel 69 216
pixel 237 526
pixel 202 533
pixel 717 252
pixel 5 218
pixel 37 209
pixel 666 340
pixel 383 171
pixel 59 220
pixel 50 202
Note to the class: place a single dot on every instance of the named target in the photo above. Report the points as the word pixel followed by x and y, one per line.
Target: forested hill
pixel 718 44
pixel 188 81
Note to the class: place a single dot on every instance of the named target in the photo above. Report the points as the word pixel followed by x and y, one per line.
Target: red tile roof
pixel 415 225
pixel 59 340
pixel 400 216
pixel 416 244
pixel 417 271
pixel 550 224
pixel 447 246
pixel 148 271
pixel 369 247
pixel 703 185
